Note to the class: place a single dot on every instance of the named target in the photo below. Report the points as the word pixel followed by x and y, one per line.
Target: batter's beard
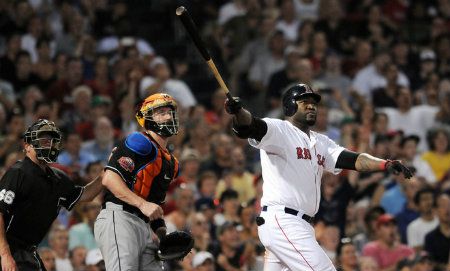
pixel 311 122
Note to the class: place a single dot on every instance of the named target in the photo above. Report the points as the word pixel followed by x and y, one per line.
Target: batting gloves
pixel 396 167
pixel 233 106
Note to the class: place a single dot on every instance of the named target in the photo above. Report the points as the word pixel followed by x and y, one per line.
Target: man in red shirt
pixel 386 250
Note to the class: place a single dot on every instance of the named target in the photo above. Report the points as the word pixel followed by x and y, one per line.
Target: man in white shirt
pixel 161 82
pixel 372 76
pixel 416 120
pixel 421 226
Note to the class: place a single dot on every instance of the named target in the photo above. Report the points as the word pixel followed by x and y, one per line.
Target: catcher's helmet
pixel 45 138
pixel 295 93
pixel 144 114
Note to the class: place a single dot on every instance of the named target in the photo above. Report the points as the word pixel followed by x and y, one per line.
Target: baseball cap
pixel 227 225
pixel 427 55
pixel 385 219
pixel 189 154
pixel 156 61
pixel 408 138
pixel 100 100
pixel 204 204
pixel 228 194
pixel 201 257
pixel 291 49
pixel 94 256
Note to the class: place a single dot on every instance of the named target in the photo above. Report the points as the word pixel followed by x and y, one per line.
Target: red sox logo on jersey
pixel 304 153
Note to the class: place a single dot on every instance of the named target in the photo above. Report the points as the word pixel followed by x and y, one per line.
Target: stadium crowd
pixel 381 66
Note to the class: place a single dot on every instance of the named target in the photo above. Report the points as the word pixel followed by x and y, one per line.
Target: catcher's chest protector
pixel 152 181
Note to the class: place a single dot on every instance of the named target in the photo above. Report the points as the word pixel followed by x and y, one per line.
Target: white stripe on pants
pixel 290 243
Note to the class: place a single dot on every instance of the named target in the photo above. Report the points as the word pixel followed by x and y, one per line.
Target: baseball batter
pixel 293 159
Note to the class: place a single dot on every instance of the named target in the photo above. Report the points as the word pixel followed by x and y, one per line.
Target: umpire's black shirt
pixel 30 199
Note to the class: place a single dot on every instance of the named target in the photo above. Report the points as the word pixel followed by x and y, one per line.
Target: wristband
pixel 383 165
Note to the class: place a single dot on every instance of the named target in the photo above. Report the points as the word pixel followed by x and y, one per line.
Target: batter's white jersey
pixel 292 165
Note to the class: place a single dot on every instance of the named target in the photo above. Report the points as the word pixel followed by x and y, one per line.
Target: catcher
pixel 136 178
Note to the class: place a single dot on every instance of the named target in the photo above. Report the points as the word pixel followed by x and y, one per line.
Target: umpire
pixel 31 194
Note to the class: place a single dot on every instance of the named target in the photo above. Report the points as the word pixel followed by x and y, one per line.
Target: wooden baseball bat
pixel 188 23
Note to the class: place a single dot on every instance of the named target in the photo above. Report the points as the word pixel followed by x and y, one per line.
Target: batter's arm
pixel 365 162
pixel 359 161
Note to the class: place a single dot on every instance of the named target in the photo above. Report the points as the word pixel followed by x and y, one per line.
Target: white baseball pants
pixel 290 243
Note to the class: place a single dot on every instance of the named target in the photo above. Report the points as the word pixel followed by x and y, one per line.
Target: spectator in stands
pixel 73 157
pixel 29 40
pixel 79 116
pixel 385 96
pixel 415 120
pixel 346 256
pixel 8 60
pixel 102 84
pixel 94 260
pixel 100 147
pixel 207 207
pixel 230 207
pixel 386 250
pixel 198 227
pixel 12 141
pixel 82 234
pixel 392 194
pixel 48 258
pixel 229 251
pixel 203 261
pixel 162 81
pixel 184 208
pixel 58 239
pixel 61 90
pixel 221 159
pixel 24 75
pixel 329 241
pixel 437 242
pixel 421 226
pixel 368 264
pixel 216 117
pixel 372 76
pixel 438 156
pixel 238 178
pixel 77 256
pixel 410 210
pixel 44 67
pixel 410 155
pixel 207 184
pixel 263 68
pixel 30 98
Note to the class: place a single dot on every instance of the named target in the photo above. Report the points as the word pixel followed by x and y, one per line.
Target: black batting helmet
pixel 295 93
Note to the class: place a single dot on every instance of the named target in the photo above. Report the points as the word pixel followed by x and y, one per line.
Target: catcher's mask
pixel 45 139
pixel 147 111
pixel 295 93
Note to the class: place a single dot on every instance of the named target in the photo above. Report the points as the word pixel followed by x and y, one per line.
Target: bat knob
pixel 180 10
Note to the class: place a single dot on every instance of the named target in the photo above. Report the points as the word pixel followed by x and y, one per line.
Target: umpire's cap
pixel 295 93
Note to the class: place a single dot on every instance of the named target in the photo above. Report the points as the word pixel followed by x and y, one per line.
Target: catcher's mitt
pixel 175 246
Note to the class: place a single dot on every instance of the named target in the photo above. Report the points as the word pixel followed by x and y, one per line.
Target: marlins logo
pixel 126 163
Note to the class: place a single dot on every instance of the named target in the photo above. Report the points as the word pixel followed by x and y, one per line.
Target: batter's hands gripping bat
pixel 186 19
